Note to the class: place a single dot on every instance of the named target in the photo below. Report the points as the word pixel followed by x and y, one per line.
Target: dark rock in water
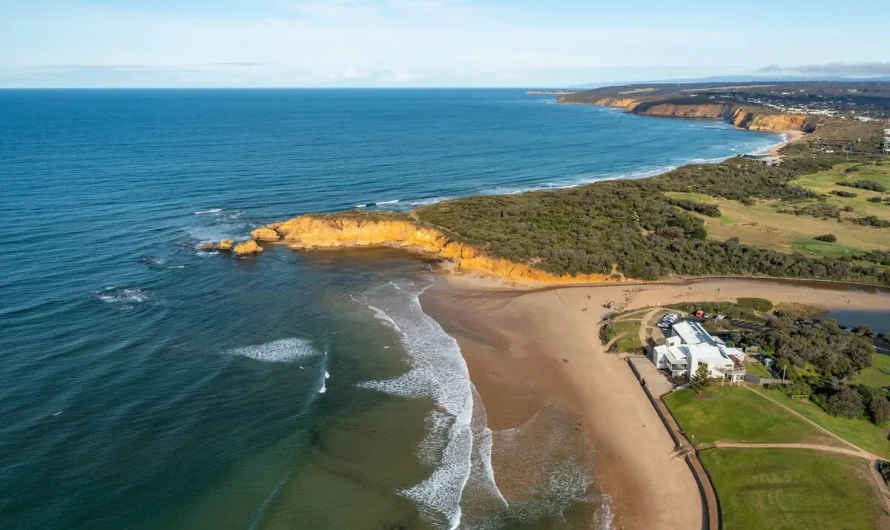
pixel 150 260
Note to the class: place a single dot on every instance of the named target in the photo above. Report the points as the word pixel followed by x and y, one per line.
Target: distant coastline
pixel 548 92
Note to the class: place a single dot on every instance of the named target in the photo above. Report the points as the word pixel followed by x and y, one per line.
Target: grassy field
pixel 826 182
pixel 874 376
pixel 762 225
pixel 734 414
pixel 757 369
pixel 636 315
pixel 762 489
pixel 863 433
pixel 628 333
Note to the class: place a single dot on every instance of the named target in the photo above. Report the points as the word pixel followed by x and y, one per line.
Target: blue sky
pixel 408 43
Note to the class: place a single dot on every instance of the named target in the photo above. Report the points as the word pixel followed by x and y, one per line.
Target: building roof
pixel 700 346
pixel 692 333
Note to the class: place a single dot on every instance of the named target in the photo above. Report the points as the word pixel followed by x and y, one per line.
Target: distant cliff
pixel 309 232
pixel 741 116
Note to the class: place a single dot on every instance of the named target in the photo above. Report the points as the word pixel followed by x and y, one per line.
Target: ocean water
pixel 147 384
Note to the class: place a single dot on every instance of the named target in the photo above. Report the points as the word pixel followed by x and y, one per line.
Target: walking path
pixel 815 447
pixel 710 505
pixel 854 451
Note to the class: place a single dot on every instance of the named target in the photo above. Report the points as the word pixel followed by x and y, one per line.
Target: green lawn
pixel 735 414
pixel 629 344
pixel 636 315
pixel 874 376
pixel 757 369
pixel 627 326
pixel 791 489
pixel 862 433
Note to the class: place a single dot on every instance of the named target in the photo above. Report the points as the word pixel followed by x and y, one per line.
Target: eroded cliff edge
pixel 319 232
pixel 741 116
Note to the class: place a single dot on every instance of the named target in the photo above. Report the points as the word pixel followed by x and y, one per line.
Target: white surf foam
pixel 279 351
pixel 426 202
pixel 438 371
pixel 212 210
pixel 383 203
pixel 113 295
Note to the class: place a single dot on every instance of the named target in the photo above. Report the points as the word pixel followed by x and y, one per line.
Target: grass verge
pixel 734 414
pixel 862 433
pixel 792 489
pixel 874 375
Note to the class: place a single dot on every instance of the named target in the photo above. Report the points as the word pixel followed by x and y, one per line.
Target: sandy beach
pixel 790 136
pixel 526 349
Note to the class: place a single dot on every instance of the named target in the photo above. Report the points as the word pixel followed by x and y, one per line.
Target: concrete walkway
pixel 655 385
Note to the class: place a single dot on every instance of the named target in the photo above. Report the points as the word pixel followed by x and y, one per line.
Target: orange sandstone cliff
pixel 739 116
pixel 310 232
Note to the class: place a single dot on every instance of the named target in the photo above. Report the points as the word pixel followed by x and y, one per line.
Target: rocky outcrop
pixel 248 248
pixel 309 232
pixel 264 233
pixel 225 244
pixel 206 246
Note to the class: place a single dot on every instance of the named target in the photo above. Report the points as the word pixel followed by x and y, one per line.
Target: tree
pixel 847 403
pixel 879 409
pixel 700 379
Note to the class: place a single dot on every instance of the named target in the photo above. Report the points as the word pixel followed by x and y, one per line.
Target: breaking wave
pixel 279 351
pixel 438 371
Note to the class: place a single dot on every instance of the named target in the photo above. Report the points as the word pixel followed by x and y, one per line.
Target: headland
pixel 530 335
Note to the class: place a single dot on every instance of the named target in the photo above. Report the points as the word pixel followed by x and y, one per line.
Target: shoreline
pixel 525 348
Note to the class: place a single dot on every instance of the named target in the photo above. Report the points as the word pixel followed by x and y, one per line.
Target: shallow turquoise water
pixel 146 384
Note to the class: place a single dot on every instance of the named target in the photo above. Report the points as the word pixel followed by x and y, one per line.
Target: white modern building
pixel 690 345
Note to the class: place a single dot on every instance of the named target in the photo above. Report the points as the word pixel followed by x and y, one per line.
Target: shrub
pixel 711 210
pixel 847 194
pixel 875 199
pixel 831 238
pixel 872 220
pixel 846 403
pixel 761 305
pixel 864 185
pixel 879 409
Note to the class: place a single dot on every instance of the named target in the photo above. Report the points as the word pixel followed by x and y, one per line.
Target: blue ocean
pixel 147 384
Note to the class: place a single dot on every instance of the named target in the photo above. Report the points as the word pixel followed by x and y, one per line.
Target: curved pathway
pixel 853 451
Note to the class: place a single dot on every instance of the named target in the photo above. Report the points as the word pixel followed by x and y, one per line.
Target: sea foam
pixel 279 351
pixel 438 371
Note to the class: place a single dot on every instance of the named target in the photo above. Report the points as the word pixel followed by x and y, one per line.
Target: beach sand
pixel 790 136
pixel 527 348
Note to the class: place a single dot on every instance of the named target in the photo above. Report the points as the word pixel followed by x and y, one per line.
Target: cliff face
pixel 738 116
pixel 711 111
pixel 309 232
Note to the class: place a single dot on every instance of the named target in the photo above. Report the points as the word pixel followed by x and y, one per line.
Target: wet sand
pixel 527 348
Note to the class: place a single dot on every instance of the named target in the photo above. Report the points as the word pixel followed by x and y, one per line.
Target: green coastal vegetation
pixel 738 217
